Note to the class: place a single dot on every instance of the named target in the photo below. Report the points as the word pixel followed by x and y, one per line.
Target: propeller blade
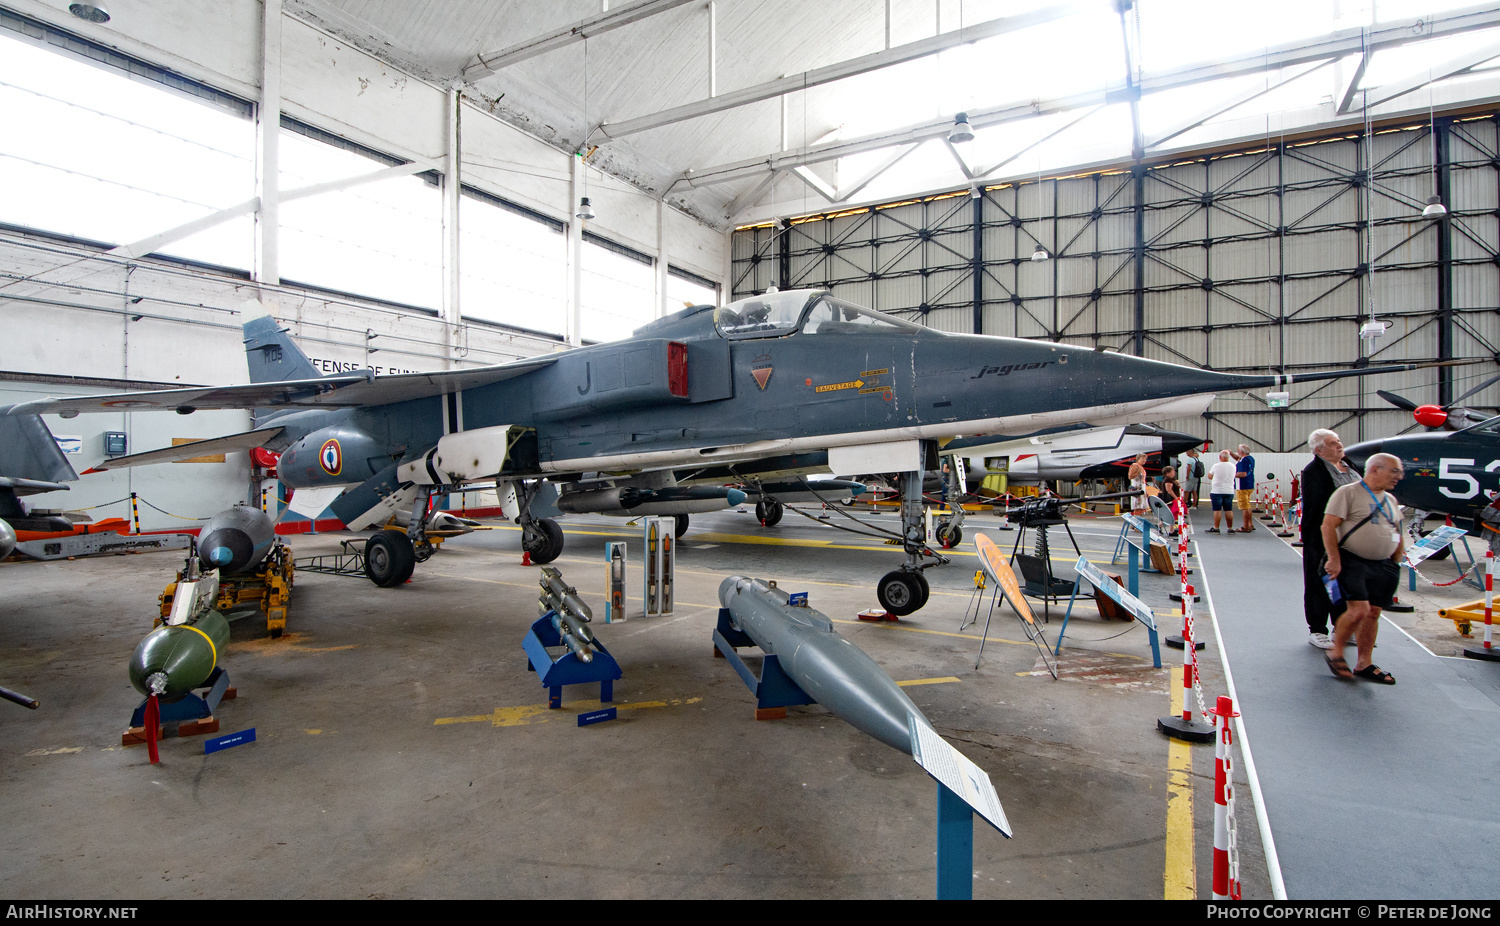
pixel 1399 401
pixel 1484 385
pixel 153 720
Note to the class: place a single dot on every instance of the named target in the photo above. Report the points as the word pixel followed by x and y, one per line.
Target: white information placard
pixel 1432 543
pixel 954 770
pixel 1097 578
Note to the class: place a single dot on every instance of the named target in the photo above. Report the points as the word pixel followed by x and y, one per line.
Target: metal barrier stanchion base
pixel 1176 642
pixel 1488 655
pixel 1193 731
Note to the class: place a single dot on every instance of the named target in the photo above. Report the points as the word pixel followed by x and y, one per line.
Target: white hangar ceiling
pixel 738 110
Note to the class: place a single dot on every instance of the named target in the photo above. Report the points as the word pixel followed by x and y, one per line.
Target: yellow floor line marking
pixel 927 681
pixel 540 713
pixel 1180 878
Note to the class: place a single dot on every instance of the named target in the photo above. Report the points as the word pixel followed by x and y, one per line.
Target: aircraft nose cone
pixel 221 556
pixel 1359 454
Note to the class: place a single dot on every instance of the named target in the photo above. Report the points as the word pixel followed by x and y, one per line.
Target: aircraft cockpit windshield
pixel 1488 426
pixel 766 316
pixel 809 311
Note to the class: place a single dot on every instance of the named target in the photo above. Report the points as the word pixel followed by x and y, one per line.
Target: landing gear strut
pixel 905 590
pixel 540 537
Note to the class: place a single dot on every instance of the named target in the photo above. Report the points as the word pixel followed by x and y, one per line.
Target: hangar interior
pixel 414 187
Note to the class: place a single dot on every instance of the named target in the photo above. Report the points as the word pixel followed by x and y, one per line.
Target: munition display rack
pixel 564 623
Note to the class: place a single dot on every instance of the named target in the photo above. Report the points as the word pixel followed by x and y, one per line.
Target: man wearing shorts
pixel 1244 485
pixel 1221 491
pixel 1362 532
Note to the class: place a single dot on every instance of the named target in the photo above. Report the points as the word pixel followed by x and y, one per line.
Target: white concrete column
pixel 575 254
pixel 452 173
pixel 267 268
pixel 661 261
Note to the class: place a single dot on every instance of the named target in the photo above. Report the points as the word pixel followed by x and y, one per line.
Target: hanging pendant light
pixel 585 209
pixel 961 131
pixel 1435 208
pixel 1040 253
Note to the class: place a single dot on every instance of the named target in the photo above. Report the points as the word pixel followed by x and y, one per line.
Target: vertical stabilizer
pixel 271 355
pixel 29 451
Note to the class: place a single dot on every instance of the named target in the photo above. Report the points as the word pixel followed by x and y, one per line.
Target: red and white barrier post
pixel 1226 883
pixel 1487 650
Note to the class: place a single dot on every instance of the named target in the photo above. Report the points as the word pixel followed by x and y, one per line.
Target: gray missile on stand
pixel 236 540
pixel 829 669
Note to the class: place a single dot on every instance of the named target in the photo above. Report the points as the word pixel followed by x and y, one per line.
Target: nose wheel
pixel 902 593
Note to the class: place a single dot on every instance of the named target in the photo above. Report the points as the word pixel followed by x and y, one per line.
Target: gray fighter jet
pixel 796 381
pixel 30 463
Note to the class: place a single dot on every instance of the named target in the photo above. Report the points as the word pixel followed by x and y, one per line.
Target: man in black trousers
pixel 1327 472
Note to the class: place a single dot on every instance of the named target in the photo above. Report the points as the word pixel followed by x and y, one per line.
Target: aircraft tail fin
pixel 271 355
pixel 29 451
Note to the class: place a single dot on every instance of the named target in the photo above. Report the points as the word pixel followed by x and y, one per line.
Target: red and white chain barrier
pixel 1226 877
pixel 1489 598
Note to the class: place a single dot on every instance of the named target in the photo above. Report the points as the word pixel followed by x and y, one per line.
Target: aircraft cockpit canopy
pixel 808 311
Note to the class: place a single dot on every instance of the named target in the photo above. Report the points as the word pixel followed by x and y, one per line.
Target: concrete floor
pixel 357 787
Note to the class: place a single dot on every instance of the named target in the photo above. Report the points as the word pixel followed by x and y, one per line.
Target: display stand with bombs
pixel 177 658
pixel 254 567
pixel 564 622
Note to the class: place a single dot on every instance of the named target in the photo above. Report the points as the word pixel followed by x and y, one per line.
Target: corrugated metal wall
pixel 1245 261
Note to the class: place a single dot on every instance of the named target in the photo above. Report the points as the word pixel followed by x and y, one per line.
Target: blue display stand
pixel 567 669
pixel 189 707
pixel 774 688
pixel 955 846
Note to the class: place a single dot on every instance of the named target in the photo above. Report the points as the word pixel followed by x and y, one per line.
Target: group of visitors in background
pixel 1352 541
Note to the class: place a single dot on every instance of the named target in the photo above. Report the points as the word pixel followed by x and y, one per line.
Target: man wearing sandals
pixel 1362 533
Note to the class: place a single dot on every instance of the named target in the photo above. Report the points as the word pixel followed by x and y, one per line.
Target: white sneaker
pixel 1320 640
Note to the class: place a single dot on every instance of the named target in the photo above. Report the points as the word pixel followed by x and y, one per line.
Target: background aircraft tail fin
pixel 271 355
pixel 29 451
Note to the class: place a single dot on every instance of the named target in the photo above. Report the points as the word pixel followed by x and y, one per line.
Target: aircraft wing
pixel 242 441
pixel 339 391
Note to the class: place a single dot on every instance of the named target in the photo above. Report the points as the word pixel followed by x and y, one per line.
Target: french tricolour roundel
pixel 331 456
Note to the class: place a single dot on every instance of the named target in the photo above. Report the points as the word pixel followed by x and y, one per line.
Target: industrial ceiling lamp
pixel 90 12
pixel 585 209
pixel 1040 253
pixel 1435 208
pixel 961 131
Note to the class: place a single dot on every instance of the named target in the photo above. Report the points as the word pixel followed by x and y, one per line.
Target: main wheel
pixel 900 592
pixel 389 558
pixel 543 539
pixel 924 590
pixel 769 511
pixel 682 525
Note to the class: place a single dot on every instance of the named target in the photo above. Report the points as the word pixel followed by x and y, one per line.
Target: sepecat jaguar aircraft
pixel 750 393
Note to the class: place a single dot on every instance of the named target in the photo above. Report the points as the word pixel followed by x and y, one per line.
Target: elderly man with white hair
pixel 1364 560
pixel 1327 472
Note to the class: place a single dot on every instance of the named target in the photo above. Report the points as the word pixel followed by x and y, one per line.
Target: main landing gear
pixel 905 590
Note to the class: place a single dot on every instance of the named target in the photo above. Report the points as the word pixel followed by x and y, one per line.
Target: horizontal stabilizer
pixel 30 486
pixel 345 390
pixel 242 441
